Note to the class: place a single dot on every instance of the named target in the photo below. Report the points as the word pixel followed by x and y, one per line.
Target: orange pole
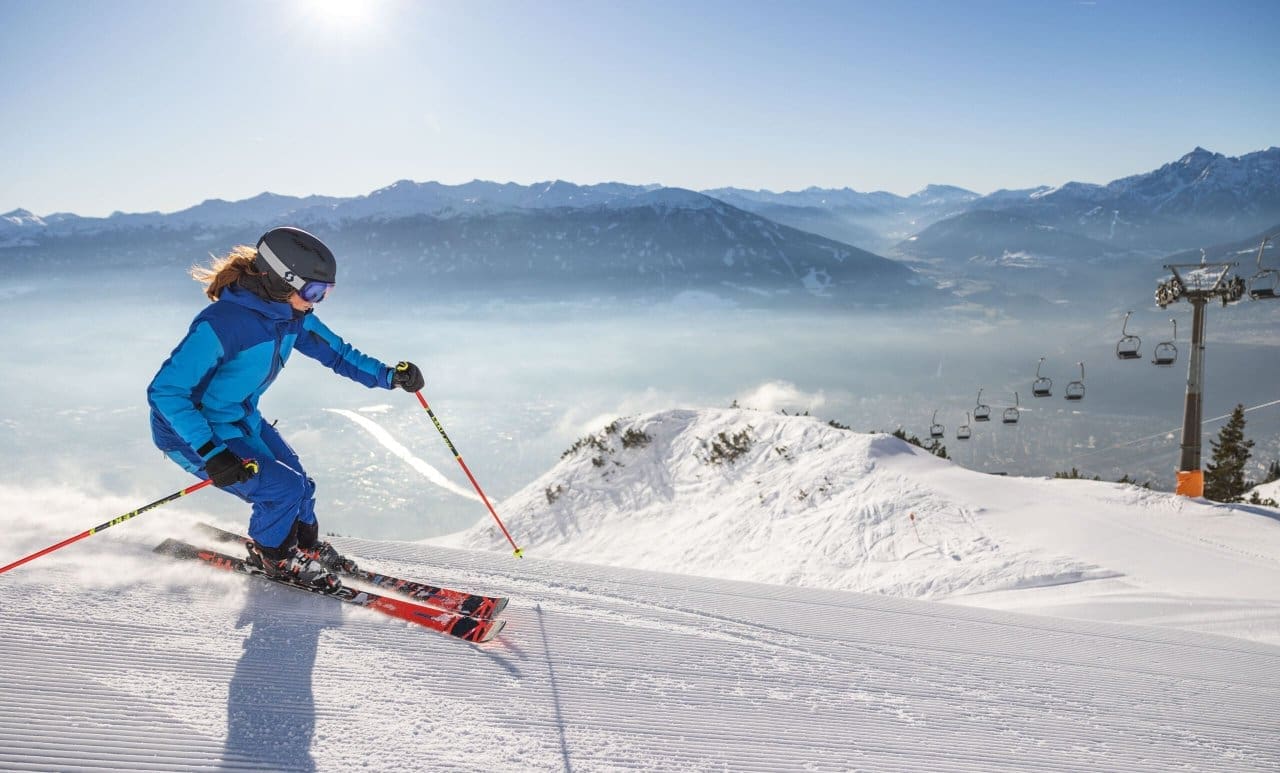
pixel 1190 483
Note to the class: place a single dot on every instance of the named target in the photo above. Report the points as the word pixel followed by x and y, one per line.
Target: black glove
pixel 408 377
pixel 226 469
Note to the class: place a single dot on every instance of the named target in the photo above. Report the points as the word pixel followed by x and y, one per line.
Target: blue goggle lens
pixel 314 292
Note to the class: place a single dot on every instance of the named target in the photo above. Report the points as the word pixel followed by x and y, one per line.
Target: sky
pixel 144 105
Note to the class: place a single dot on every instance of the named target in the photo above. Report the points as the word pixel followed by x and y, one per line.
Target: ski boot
pixel 328 557
pixel 293 565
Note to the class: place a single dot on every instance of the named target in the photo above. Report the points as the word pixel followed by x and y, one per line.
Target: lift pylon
pixel 1196 283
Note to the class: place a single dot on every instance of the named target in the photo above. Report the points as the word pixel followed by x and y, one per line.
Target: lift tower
pixel 1196 283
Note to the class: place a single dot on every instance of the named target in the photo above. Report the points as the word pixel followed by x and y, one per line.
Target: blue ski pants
pixel 280 493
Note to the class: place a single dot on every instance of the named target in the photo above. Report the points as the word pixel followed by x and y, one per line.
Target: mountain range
pixel 1201 197
pixel 751 246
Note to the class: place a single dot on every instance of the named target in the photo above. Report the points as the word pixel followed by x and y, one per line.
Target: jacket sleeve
pixel 321 344
pixel 173 390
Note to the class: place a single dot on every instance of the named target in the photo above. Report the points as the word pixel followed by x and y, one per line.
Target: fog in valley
pixel 516 382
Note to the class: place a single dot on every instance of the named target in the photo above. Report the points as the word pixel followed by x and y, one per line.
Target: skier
pixel 204 399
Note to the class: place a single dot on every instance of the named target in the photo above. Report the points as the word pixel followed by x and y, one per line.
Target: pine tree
pixel 1273 473
pixel 933 446
pixel 1075 474
pixel 1224 477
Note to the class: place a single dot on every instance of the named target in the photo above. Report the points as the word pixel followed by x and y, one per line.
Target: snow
pixel 1267 490
pixel 19 218
pixel 816 281
pixel 677 610
pixel 814 505
pixel 391 444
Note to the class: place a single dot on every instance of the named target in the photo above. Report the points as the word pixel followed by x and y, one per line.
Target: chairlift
pixel 1264 284
pixel 1043 385
pixel 1075 389
pixel 936 430
pixel 981 412
pixel 963 432
pixel 1166 352
pixel 1127 347
pixel 1011 414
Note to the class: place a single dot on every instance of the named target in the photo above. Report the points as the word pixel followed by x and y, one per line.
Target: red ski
pixel 453 624
pixel 447 599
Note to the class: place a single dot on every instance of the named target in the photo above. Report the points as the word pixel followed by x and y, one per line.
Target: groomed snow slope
pixel 118 660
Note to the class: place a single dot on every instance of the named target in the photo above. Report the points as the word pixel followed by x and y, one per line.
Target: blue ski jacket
pixel 208 389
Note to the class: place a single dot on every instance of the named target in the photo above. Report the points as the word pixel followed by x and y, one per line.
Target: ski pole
pixel 518 552
pixel 121 519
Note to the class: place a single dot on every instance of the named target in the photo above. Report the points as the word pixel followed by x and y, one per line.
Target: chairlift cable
pixel 1168 432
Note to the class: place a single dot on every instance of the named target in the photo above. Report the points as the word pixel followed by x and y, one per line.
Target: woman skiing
pixel 204 399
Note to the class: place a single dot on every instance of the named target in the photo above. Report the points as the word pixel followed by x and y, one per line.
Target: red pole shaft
pixel 107 525
pixel 518 552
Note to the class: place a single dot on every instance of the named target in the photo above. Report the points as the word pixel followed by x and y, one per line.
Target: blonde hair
pixel 226 270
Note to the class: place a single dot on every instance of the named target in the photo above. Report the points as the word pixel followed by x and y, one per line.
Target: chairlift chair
pixel 1043 385
pixel 1264 284
pixel 936 430
pixel 1166 352
pixel 1075 389
pixel 1127 347
pixel 981 412
pixel 1011 414
pixel 963 432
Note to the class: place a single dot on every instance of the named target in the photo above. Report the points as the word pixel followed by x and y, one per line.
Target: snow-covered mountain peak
pixel 1199 157
pixel 666 198
pixel 560 193
pixel 18 227
pixel 21 217
pixel 1005 195
pixel 401 189
pixel 557 186
pixel 943 193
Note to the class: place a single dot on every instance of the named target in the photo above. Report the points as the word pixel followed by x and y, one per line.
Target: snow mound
pixel 741 494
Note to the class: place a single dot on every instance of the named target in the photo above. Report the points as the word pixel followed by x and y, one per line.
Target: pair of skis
pixel 466 616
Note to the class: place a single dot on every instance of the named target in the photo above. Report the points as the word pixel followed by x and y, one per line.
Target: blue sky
pixel 140 105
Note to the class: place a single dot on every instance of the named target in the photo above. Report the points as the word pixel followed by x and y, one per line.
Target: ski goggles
pixel 313 291
pixel 310 290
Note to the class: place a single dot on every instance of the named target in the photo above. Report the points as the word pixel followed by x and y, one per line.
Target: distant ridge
pixel 556 239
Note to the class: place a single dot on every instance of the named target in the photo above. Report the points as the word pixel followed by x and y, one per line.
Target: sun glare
pixel 341 14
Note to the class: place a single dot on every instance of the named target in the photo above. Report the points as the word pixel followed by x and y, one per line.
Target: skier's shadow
pixel 271 713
